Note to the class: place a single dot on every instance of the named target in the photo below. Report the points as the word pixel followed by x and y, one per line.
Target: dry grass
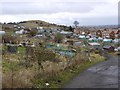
pixel 51 68
pixel 24 77
pixel 21 79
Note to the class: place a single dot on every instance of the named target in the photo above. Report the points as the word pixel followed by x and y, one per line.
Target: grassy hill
pixel 9 27
pixel 36 23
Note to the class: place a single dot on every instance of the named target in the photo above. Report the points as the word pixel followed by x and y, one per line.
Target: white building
pixel 20 32
pixel 2 32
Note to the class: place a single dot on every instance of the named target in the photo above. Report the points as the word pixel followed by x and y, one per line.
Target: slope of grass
pixel 21 50
pixel 60 79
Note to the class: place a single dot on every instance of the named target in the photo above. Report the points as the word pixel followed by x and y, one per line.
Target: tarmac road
pixel 101 75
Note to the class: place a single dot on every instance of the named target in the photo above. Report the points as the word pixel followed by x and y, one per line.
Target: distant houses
pixel 83 35
pixel 108 33
pixel 103 33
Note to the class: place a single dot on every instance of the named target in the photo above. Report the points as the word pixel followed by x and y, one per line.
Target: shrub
pixel 42 54
pixel 33 32
pixel 58 38
pixel 10 39
pixel 39 55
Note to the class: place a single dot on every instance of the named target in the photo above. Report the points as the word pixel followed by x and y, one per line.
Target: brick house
pixel 112 35
pixel 99 33
pixel 109 33
pixel 81 30
pixel 118 34
pixel 105 33
pixel 77 31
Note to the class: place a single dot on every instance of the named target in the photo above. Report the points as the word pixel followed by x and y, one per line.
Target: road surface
pixel 101 75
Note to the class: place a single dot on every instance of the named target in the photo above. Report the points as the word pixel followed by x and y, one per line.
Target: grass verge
pixel 60 79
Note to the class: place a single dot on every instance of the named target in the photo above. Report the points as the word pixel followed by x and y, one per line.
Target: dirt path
pixel 101 75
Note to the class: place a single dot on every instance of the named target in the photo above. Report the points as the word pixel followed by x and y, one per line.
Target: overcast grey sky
pixel 87 12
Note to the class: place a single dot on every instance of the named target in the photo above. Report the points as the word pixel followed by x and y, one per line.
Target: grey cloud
pixel 47 8
pixel 88 21
pixel 112 20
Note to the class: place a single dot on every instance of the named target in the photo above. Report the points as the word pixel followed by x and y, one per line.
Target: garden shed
pixel 95 45
pixel 109 48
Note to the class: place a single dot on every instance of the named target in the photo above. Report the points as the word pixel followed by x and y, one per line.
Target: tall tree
pixel 70 29
pixel 76 23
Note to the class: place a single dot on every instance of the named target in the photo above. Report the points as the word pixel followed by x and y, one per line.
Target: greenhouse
pixel 107 40
pixel 68 53
pixel 93 40
pixel 116 40
pixel 82 37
